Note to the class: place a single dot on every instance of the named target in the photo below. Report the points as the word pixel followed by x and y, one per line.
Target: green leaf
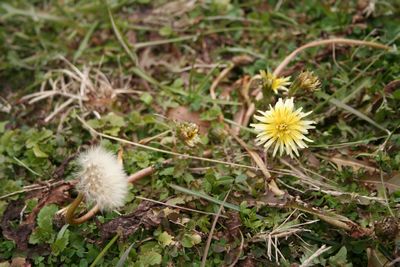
pixel 142 159
pixel 340 259
pixel 189 240
pixel 61 242
pixel 45 216
pixel 44 232
pixel 114 120
pixel 211 114
pixel 38 152
pixel 165 239
pixel 396 94
pixel 95 123
pixel 166 31
pixel 146 98
pixel 167 171
pixel 36 137
pixel 3 126
pixel 150 258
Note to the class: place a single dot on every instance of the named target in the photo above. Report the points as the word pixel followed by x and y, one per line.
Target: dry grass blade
pixel 284 230
pixel 90 88
pixel 210 235
pixel 257 159
pixel 260 163
pixel 180 207
pixel 221 76
pixel 331 218
pixel 309 261
pixel 356 165
pixel 346 107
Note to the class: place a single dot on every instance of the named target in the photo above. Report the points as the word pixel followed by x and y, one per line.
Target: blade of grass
pixel 32 13
pixel 121 40
pixel 104 251
pixel 85 41
pixel 122 260
pixel 208 198
pixel 26 166
pixel 166 41
pixel 355 112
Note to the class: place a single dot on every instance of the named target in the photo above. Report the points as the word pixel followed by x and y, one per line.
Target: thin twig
pixel 207 247
pixel 252 154
pixel 385 194
pixel 240 250
pixel 186 156
pixel 222 75
pixel 292 55
pixel 178 207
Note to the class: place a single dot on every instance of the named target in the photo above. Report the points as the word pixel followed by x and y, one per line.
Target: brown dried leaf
pixel 392 184
pixel 392 86
pixel 312 160
pixel 233 224
pixel 19 262
pixel 248 262
pixel 58 195
pixel 376 258
pixel 20 234
pixel 242 60
pixel 145 215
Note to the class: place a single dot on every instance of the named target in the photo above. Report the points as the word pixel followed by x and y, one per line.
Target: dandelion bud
pixel 189 133
pixel 307 81
pixel 102 178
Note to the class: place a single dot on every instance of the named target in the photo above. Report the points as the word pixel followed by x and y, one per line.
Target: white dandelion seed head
pixel 102 178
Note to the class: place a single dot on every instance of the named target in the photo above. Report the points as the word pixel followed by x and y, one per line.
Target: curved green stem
pixel 69 216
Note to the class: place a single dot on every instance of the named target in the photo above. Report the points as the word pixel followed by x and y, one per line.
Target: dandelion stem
pixel 69 216
pixel 292 55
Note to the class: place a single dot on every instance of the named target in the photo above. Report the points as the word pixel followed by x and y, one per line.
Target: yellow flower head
pixel 270 81
pixel 284 126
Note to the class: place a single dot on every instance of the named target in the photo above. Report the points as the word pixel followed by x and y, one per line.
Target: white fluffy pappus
pixel 102 178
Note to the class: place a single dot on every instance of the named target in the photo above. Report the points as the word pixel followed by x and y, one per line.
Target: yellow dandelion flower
pixel 270 81
pixel 284 126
